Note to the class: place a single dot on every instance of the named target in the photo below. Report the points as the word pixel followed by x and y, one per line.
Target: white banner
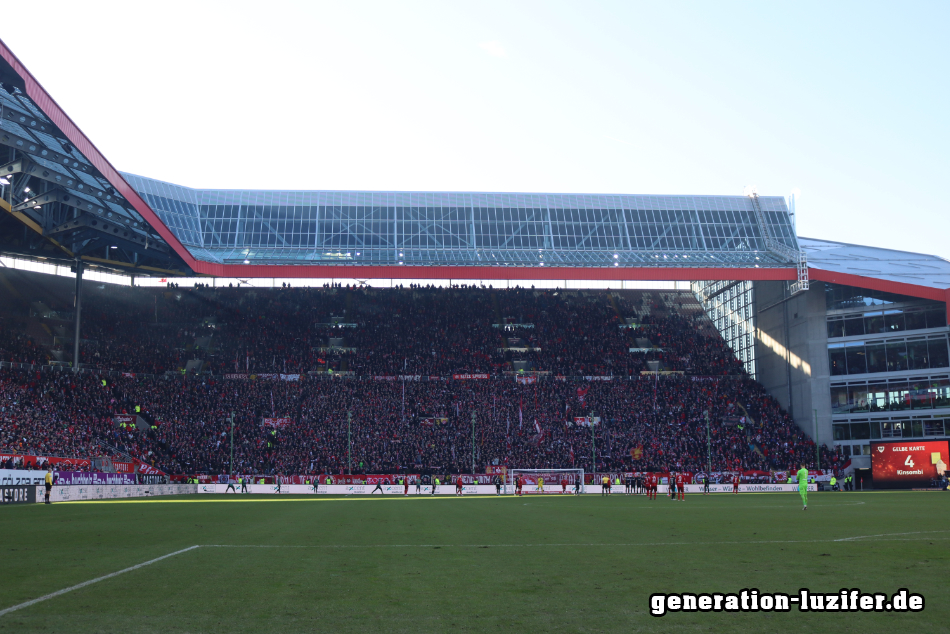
pixel 468 489
pixel 743 488
pixel 112 491
pixel 12 477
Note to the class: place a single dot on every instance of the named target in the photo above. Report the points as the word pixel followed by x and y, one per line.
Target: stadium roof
pixel 915 274
pixel 472 229
pixel 66 201
pixel 76 204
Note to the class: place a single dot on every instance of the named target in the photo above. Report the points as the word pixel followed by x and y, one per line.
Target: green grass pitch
pixel 475 564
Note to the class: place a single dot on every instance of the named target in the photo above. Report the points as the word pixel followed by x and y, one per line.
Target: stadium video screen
pixel 908 463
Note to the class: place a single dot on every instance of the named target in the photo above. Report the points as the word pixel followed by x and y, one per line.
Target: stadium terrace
pixel 784 349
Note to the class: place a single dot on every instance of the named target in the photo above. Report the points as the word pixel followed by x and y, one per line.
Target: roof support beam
pixel 29 146
pixel 113 231
pixel 26 165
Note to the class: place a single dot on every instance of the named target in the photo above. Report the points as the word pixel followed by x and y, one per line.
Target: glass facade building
pixel 731 307
pixel 889 361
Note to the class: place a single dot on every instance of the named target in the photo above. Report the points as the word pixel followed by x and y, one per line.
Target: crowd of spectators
pixel 373 388
pixel 18 347
pixel 366 425
pixel 418 331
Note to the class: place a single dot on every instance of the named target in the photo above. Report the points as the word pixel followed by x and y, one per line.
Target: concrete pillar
pixel 77 318
pixel 792 354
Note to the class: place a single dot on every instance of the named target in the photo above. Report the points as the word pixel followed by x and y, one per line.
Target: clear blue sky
pixel 845 102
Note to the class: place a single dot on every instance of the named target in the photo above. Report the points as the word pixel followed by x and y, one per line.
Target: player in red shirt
pixel 405 482
pixel 517 485
pixel 458 485
pixel 681 487
pixel 651 486
pixel 563 485
pixel 735 483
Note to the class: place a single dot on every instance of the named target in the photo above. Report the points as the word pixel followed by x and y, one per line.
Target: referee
pixel 49 483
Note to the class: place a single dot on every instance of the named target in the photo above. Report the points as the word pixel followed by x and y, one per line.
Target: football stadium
pixel 246 411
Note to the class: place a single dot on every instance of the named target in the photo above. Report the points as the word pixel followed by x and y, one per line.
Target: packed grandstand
pixel 364 380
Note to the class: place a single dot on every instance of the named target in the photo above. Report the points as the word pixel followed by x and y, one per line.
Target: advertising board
pixel 907 463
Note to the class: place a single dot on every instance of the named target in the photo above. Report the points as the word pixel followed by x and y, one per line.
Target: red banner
pixel 277 423
pixel 147 469
pixel 466 377
pixel 21 460
pixel 586 421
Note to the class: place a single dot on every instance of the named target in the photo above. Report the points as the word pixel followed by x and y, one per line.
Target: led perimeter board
pixel 908 463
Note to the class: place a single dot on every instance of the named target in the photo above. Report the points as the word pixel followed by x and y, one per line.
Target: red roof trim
pixel 618 273
pixel 876 284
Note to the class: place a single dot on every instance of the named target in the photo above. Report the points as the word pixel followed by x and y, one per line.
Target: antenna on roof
pixel 791 208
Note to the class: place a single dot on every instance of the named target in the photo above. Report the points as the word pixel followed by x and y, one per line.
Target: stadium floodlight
pixel 26 190
pixel 113 247
pixel 4 181
pixel 247 261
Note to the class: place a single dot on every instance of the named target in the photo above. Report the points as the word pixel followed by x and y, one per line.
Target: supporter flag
pixel 539 433
pixel 276 423
pixel 520 421
pixel 581 393
pixel 572 454
pixel 636 452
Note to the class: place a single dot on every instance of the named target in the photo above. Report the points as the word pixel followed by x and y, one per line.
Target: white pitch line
pixel 882 537
pixel 879 537
pixel 849 539
pixel 92 581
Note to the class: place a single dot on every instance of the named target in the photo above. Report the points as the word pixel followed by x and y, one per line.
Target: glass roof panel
pixel 463 228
